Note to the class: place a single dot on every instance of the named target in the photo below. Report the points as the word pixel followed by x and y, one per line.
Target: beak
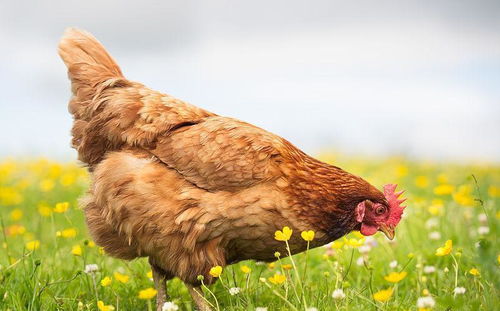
pixel 387 230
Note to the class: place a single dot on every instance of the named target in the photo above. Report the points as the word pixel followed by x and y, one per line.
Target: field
pixel 47 261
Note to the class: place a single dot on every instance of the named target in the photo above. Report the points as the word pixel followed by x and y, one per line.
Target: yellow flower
pixel 216 271
pixel 283 235
pixel 401 171
pixel 67 233
pixel 358 234
pixel 444 189
pixel 16 214
pixel 464 196
pixel 337 244
pixel 91 244
pixel 446 249
pixel 271 265
pixel 354 242
pixel 44 210
pixel 383 295
pixel 15 230
pixel 147 293
pixel 498 259
pixel 287 266
pixel 61 207
pixel 307 235
pixel 32 245
pixel 245 269
pixel 46 185
pixel 106 281
pixel 149 274
pixel 494 191
pixel 411 255
pixel 277 254
pixel 422 181
pixel 277 279
pixel 442 178
pixel 76 250
pixel 123 278
pixel 474 272
pixel 395 277
pixel 102 307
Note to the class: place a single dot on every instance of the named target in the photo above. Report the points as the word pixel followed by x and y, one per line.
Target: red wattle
pixel 367 230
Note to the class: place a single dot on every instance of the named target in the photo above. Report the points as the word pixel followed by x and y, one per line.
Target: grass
pixel 45 249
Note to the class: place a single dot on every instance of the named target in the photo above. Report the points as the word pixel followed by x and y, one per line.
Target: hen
pixel 192 190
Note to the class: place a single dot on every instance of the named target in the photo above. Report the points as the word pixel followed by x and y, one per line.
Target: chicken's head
pixel 383 217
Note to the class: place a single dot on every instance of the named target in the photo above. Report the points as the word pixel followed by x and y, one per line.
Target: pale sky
pixel 363 78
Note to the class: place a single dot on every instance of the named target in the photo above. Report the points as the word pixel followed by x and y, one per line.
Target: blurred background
pixel 370 78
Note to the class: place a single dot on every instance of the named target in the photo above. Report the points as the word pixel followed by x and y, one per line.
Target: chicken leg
pixel 199 300
pixel 160 278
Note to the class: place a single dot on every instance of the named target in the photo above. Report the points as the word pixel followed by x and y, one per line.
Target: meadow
pixel 445 256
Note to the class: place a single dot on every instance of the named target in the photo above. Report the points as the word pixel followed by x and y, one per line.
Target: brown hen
pixel 192 190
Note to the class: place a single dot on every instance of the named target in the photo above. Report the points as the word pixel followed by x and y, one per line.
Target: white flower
pixel 91 268
pixel 338 294
pixel 393 264
pixel 169 306
pixel 431 223
pixel 425 302
pixel 435 235
pixel 312 309
pixel 482 218
pixel 360 261
pixel 370 241
pixel 446 270
pixel 459 290
pixel 429 269
pixel 483 230
pixel 260 263
pixel 261 309
pixel 364 249
pixel 234 291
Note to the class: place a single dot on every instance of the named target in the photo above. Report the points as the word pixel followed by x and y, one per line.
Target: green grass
pixel 51 277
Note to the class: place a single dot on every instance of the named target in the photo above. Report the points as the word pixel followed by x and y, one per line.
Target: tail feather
pixel 90 67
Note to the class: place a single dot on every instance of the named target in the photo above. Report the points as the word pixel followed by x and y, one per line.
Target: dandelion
pixel 474 272
pixel 483 230
pixel 271 265
pixel 15 230
pixel 33 245
pixel 338 294
pixel 283 235
pixel 287 266
pixel 245 269
pixel 147 293
pixel 169 306
pixel 122 278
pixel 435 235
pixel 444 189
pixel 44 210
pixel 422 181
pixel 425 302
pixel 446 249
pixel 67 233
pixel 102 307
pixel 76 250
pixel 215 271
pixel 307 235
pixel 429 269
pixel 395 277
pixel 61 207
pixel 46 185
pixel 393 264
pixel 16 214
pixel 494 191
pixel 383 295
pixel 149 274
pixel 277 279
pixel 106 281
pixel 459 291
pixel 336 244
pixel 91 268
pixel 234 291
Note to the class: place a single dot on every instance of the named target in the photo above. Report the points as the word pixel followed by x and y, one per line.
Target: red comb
pixel 396 210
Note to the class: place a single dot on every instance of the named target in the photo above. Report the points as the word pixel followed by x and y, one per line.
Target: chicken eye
pixel 380 210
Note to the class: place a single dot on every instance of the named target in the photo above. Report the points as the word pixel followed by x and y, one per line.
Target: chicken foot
pixel 160 278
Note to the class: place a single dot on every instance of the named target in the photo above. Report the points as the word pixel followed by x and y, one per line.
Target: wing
pixel 221 154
